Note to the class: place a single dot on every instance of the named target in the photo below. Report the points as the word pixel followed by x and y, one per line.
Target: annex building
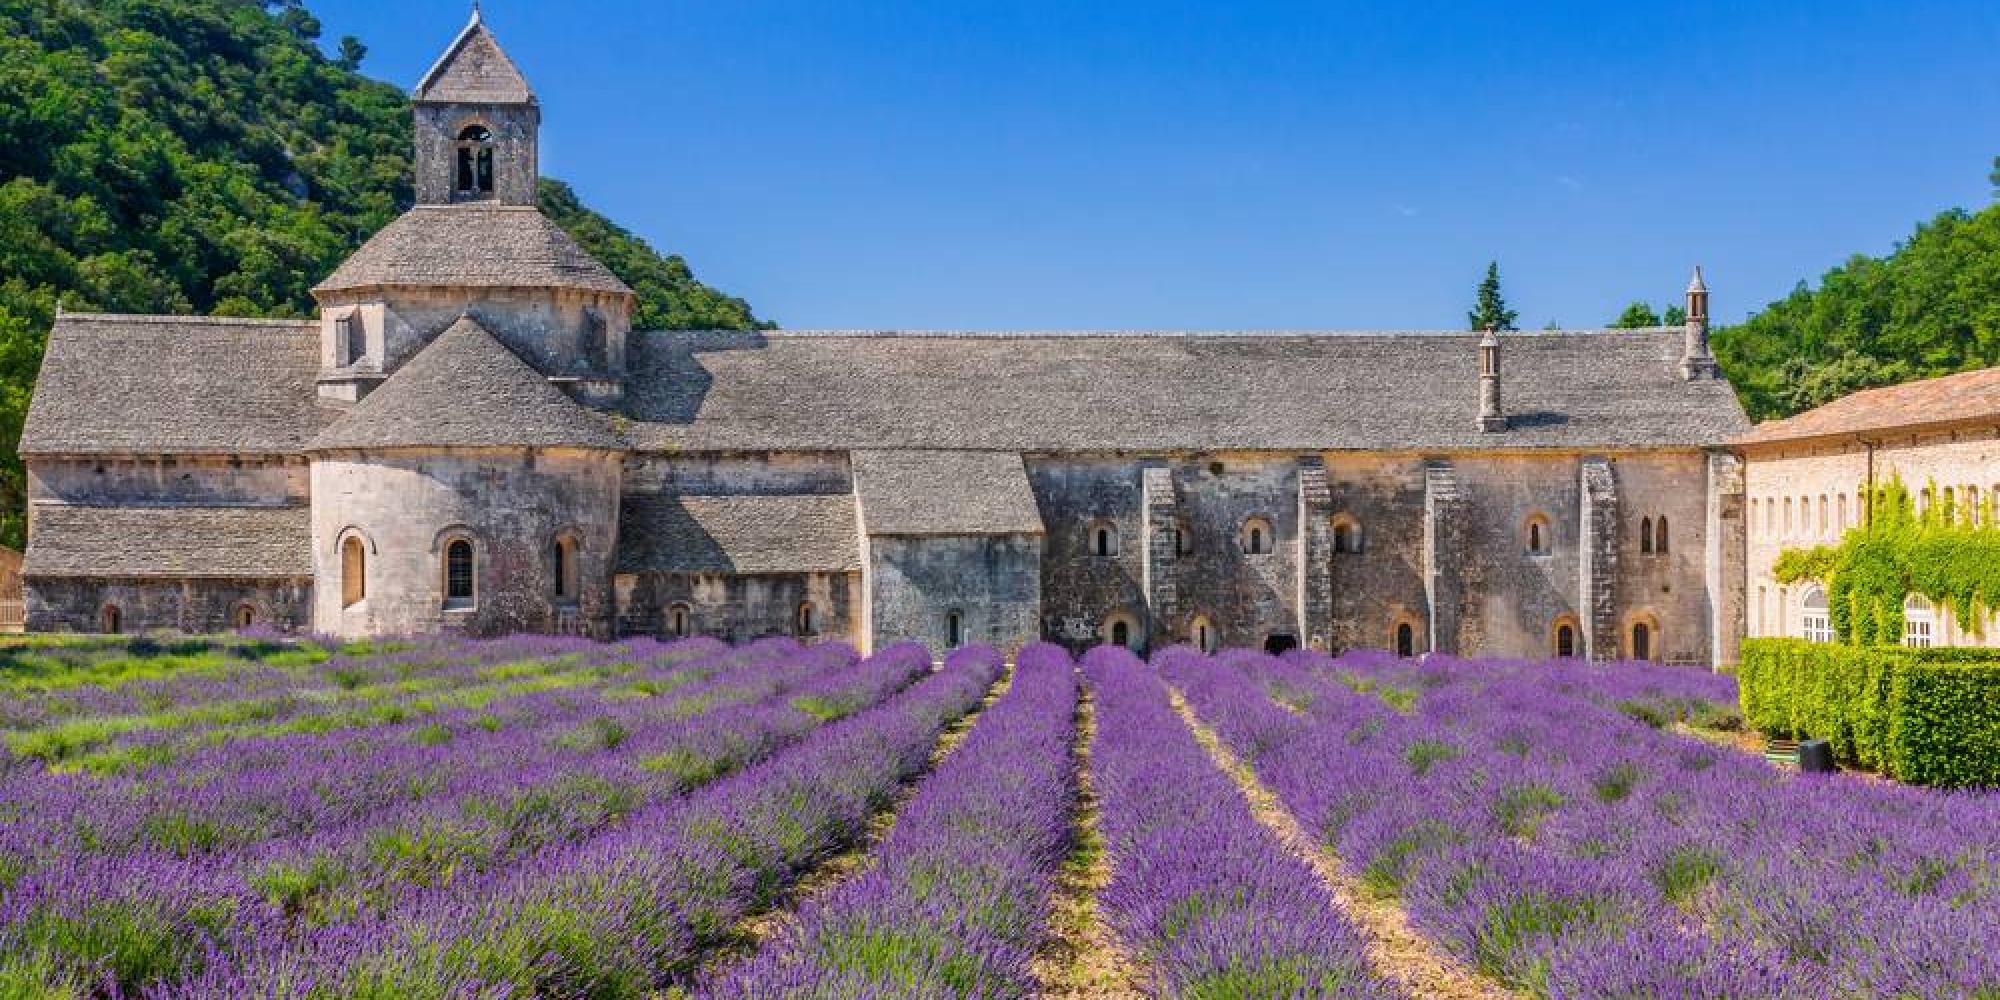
pixel 1808 478
pixel 472 438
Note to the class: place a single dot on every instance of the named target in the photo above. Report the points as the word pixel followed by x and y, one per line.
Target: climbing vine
pixel 1947 555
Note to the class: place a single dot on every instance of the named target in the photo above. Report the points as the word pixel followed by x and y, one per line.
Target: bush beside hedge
pixel 1929 717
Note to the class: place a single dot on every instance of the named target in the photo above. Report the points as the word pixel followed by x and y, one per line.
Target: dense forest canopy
pixel 1932 307
pixel 205 156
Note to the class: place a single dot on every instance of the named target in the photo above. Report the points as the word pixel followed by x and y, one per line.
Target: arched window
pixel 563 568
pixel 1103 539
pixel 1660 536
pixel 1950 505
pixel 1406 640
pixel 1973 515
pixel 1646 535
pixel 475 161
pixel 1924 501
pixel 1761 623
pixel 353 571
pixel 1645 641
pixel 1202 634
pixel 1538 535
pixel 1771 516
pixel 1346 535
pixel 1257 537
pixel 680 621
pixel 1180 540
pixel 954 630
pixel 1840 509
pixel 1565 640
pixel 1788 517
pixel 1814 618
pixel 459 578
pixel 806 625
pixel 246 615
pixel 1919 622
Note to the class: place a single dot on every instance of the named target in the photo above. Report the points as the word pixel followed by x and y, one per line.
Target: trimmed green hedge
pixel 1929 717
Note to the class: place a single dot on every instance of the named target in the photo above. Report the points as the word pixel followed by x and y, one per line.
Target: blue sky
pixel 1104 163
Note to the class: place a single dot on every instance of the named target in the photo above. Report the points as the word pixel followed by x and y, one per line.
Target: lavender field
pixel 538 817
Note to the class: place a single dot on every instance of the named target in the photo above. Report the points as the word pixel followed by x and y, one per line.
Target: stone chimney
pixel 1696 360
pixel 1491 419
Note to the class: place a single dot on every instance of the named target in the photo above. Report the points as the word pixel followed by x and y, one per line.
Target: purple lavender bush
pixel 371 792
pixel 1199 889
pixel 955 901
pixel 1567 845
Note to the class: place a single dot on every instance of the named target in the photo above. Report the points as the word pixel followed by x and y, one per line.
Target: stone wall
pixel 764 474
pixel 206 480
pixel 1966 459
pixel 739 607
pixel 407 505
pixel 198 605
pixel 549 328
pixel 514 150
pixel 993 582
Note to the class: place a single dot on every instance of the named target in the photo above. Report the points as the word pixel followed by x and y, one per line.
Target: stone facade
pixel 1807 491
pixel 472 439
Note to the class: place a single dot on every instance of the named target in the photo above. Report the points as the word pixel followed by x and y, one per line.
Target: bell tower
pixel 476 122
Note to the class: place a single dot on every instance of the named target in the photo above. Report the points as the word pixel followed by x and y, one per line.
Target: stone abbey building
pixel 472 438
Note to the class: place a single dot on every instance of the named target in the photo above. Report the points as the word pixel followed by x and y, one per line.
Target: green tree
pixel 1635 316
pixel 352 52
pixel 1674 316
pixel 1490 310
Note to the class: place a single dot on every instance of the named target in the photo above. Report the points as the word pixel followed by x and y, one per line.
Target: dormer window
pixel 350 342
pixel 475 162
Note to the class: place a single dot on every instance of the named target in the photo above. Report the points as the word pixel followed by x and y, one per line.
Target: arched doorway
pixel 1406 640
pixel 110 620
pixel 1642 641
pixel 1565 640
pixel 1279 643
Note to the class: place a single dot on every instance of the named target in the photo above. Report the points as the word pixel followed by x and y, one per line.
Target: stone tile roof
pixel 144 542
pixel 177 385
pixel 738 534
pixel 479 245
pixel 466 389
pixel 1168 391
pixel 945 493
pixel 474 70
pixel 1965 397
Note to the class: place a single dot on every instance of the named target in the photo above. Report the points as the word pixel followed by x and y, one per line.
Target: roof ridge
pixel 167 319
pixel 1112 333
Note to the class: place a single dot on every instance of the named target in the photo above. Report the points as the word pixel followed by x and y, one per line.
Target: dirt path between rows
pixel 1084 959
pixel 822 879
pixel 1395 949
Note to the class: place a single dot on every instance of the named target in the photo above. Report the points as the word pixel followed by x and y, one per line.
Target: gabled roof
pixel 480 245
pixel 945 493
pixel 474 70
pixel 1962 398
pixel 175 385
pixel 815 533
pixel 179 542
pixel 1039 392
pixel 466 389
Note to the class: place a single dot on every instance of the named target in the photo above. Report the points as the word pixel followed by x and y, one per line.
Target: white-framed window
pixel 1919 622
pixel 1103 539
pixel 1203 635
pixel 1815 621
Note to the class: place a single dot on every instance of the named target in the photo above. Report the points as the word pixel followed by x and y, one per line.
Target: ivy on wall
pixel 1949 554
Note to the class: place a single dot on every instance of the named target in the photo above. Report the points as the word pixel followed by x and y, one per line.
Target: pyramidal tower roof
pixel 467 390
pixel 474 70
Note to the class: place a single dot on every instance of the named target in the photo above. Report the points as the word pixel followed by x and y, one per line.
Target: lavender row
pixel 315 786
pixel 624 913
pixel 956 901
pixel 478 805
pixel 1562 847
pixel 1199 889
